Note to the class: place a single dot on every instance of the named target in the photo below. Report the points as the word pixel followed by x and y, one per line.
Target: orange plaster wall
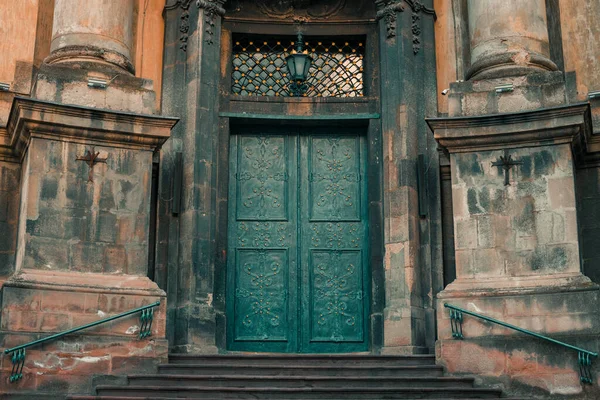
pixel 18 21
pixel 150 42
pixel 580 23
pixel 445 50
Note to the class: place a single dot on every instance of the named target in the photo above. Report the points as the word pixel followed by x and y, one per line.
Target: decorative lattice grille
pixel 259 66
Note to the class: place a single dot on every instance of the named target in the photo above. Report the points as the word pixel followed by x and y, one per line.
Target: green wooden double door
pixel 298 276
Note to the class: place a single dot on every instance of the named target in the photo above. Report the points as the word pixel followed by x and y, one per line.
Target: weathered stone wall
pixel 580 31
pixel 69 364
pixel 149 31
pixel 10 178
pixel 31 22
pixel 447 57
pixel 18 18
pixel 517 230
pixel 76 225
pixel 588 198
pixel 523 365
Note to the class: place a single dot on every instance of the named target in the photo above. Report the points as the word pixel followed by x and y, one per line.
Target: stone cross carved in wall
pixel 91 158
pixel 506 162
pixel 387 10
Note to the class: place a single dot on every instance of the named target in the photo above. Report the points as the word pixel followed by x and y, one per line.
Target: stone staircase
pixel 277 376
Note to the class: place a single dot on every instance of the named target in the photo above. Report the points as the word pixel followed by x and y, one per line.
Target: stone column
pixel 407 81
pixel 192 69
pixel 99 31
pixel 508 38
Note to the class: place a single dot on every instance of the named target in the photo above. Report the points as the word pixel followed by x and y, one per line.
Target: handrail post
pixel 18 352
pixel 584 357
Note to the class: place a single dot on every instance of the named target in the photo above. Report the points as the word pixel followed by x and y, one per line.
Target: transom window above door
pixel 259 66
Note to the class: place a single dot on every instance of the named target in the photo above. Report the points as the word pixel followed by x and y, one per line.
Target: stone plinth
pixel 508 38
pixel 82 250
pixel 517 248
pixel 530 92
pixel 67 85
pixel 101 31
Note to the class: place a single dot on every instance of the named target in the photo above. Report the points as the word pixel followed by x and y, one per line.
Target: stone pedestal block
pixel 518 225
pixel 67 85
pixel 530 92
pixel 517 247
pixel 82 252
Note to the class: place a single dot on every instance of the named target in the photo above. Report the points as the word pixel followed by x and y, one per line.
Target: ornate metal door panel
pixel 261 302
pixel 334 263
pixel 297 274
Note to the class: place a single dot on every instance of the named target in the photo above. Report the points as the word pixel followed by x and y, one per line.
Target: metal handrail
pixel 584 356
pixel 18 357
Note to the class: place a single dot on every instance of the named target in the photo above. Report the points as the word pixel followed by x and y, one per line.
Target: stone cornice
pixel 565 124
pixel 35 118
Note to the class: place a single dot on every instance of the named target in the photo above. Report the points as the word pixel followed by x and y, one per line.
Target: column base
pixel 75 54
pixel 510 63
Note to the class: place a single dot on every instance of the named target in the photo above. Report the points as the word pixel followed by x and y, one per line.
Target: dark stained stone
pixel 543 163
pixel 49 188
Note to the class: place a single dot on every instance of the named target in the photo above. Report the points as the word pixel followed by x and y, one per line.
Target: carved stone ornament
pixel 388 9
pixel 300 10
pixel 212 10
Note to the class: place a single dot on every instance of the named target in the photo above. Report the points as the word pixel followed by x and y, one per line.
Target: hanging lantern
pixel 298 64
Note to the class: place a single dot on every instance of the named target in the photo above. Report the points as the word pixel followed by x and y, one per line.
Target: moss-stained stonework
pixel 10 176
pixel 519 229
pixel 89 226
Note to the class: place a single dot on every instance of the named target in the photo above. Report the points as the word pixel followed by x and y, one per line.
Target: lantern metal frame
pixel 299 63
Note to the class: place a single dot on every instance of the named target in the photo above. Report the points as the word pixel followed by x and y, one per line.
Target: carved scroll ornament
pixel 300 10
pixel 388 9
pixel 212 10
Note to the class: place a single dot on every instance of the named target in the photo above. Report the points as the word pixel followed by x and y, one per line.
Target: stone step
pixel 204 398
pixel 257 381
pixel 304 359
pixel 293 370
pixel 297 393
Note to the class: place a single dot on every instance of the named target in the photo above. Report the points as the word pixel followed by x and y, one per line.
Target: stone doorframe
pixel 191 255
